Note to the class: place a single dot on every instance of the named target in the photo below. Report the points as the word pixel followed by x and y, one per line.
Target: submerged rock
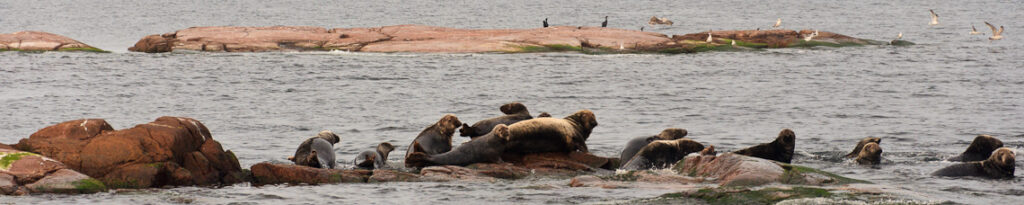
pixel 433 39
pixel 167 151
pixel 24 172
pixel 41 41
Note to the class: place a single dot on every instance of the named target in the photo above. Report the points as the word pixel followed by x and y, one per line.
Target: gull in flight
pixel 777 23
pixel 974 31
pixel 996 34
pixel 935 18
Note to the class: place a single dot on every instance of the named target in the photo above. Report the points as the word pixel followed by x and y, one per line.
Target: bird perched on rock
pixel 545 22
pixel 709 37
pixel 777 23
pixel 605 23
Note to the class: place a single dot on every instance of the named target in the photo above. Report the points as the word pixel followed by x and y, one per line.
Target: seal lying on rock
pixel 998 166
pixel 779 150
pixel 317 151
pixel 540 135
pixel 662 154
pixel 484 149
pixel 372 159
pixel 514 112
pixel 436 138
pixel 634 145
pixel 980 149
pixel 870 154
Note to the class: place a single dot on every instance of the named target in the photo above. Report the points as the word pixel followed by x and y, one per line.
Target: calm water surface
pixel 926 101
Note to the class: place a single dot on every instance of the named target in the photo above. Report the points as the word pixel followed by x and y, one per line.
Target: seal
pixel 998 166
pixel 437 138
pixel 317 151
pixel 372 159
pixel 870 154
pixel 860 145
pixel 485 149
pixel 780 150
pixel 540 135
pixel 544 114
pixel 662 154
pixel 514 112
pixel 634 145
pixel 980 149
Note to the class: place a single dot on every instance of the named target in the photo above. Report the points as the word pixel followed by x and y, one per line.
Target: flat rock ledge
pixel 432 39
pixel 23 173
pixel 41 41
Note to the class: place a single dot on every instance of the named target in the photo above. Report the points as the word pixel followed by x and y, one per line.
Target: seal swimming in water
pixel 436 138
pixel 998 166
pixel 980 149
pixel 779 150
pixel 634 145
pixel 374 159
pixel 317 151
pixel 860 146
pixel 514 112
pixel 870 154
pixel 486 148
pixel 662 154
pixel 547 134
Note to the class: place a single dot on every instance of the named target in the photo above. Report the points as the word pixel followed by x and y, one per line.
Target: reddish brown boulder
pixel 732 169
pixel 269 173
pixel 41 41
pixel 24 172
pixel 167 151
pixel 769 38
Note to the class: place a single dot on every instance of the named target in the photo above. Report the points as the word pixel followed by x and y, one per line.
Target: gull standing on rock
pixel 734 42
pixel 709 37
pixel 899 36
pixel 935 18
pixel 808 37
pixel 974 31
pixel 996 34
pixel 777 23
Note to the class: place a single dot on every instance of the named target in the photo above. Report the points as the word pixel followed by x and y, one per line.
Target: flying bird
pixel 996 34
pixel 935 18
pixel 974 31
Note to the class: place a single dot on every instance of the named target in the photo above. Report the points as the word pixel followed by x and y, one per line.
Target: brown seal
pixel 662 154
pixel 544 114
pixel 317 151
pixel 860 145
pixel 980 149
pixel 374 159
pixel 485 149
pixel 870 154
pixel 779 150
pixel 998 166
pixel 540 135
pixel 634 145
pixel 514 112
pixel 437 138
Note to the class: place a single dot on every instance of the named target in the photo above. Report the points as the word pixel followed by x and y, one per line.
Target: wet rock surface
pixel 41 41
pixel 25 173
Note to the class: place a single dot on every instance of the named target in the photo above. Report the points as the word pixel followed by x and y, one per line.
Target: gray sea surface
pixel 925 101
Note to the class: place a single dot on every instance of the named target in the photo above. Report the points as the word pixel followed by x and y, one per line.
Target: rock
pixel 26 167
pixel 3 146
pixel 731 169
pixel 7 184
pixel 384 175
pixel 41 41
pixel 66 181
pixel 168 151
pixel 269 173
pixel 452 173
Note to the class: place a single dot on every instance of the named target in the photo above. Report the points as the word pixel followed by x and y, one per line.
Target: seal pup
pixel 974 31
pixel 436 138
pixel 662 154
pixel 485 149
pixel 374 159
pixel 980 149
pixel 634 145
pixel 539 135
pixel 998 166
pixel 514 112
pixel 871 154
pixel 935 18
pixel 605 23
pixel 996 34
pixel 778 23
pixel 779 150
pixel 545 22
pixel 860 146
pixel 317 151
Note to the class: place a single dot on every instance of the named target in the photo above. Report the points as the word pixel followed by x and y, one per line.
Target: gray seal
pixel 317 151
pixel 436 138
pixel 374 159
pixel 514 112
pixel 980 149
pixel 1000 165
pixel 634 145
pixel 780 150
pixel 662 154
pixel 484 149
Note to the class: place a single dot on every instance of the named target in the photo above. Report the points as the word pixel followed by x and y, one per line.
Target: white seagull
pixel 935 18
pixel 709 37
pixel 808 37
pixel 996 34
pixel 734 42
pixel 777 23
pixel 899 36
pixel 974 31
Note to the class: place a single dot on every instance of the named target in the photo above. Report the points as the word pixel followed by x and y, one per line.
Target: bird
pixel 641 28
pixel 996 34
pixel 709 37
pixel 545 22
pixel 974 31
pixel 808 37
pixel 777 23
pixel 605 23
pixel 899 36
pixel 734 42
pixel 935 18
